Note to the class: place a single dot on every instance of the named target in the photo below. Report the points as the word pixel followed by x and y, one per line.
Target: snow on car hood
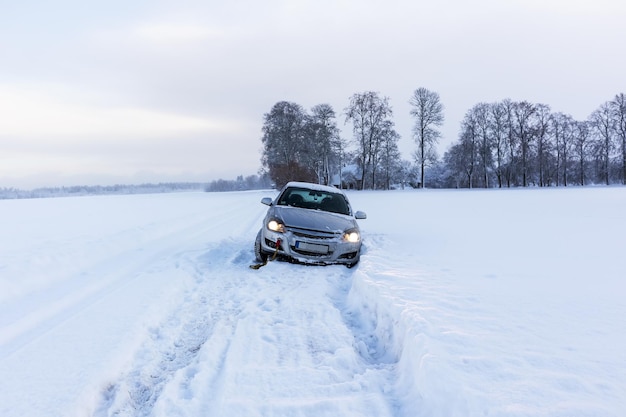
pixel 314 219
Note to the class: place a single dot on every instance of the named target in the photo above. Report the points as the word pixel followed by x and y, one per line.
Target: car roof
pixel 313 186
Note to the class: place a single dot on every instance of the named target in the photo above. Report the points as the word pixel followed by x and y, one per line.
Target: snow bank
pixel 498 302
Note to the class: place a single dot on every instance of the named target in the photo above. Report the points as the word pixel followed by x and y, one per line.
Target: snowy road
pixel 241 342
pixel 184 327
pixel 146 306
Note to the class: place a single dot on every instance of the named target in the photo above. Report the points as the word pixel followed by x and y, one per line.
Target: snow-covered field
pixel 465 303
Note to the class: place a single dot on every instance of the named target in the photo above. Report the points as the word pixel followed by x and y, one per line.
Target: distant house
pixel 349 179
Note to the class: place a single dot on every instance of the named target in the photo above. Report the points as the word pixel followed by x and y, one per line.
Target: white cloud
pixel 31 112
pixel 54 136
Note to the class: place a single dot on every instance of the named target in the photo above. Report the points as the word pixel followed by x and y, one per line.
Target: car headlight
pixel 351 236
pixel 276 226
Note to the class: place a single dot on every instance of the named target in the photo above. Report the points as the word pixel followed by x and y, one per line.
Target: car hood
pixel 314 219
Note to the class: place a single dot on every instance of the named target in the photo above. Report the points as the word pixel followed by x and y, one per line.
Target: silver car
pixel 310 223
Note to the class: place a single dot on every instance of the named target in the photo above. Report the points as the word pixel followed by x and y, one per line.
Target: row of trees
pixel 251 182
pixel 375 137
pixel 512 143
pixel 82 190
pixel 307 146
pixel 500 144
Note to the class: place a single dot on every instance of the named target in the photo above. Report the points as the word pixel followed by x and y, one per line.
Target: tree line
pixel 307 146
pixel 503 144
pixel 251 182
pixel 511 143
pixel 84 190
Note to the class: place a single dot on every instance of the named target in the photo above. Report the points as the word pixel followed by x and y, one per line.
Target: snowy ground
pixel 465 303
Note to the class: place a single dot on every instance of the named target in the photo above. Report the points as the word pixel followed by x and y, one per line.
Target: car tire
pixel 258 252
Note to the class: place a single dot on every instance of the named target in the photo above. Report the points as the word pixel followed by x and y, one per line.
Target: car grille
pixel 312 234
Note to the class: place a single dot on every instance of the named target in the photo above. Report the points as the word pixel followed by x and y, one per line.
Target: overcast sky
pixel 124 91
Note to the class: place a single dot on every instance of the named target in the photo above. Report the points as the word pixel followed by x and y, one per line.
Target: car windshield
pixel 314 200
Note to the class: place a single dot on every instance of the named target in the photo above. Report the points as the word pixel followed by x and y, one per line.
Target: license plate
pixel 312 247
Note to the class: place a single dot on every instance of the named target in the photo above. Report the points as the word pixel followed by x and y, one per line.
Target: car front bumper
pixel 311 247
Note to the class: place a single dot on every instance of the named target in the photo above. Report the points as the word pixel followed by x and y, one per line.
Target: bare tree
pixel 324 141
pixel 483 124
pixel 498 131
pixel 602 123
pixel 468 148
pixel 559 123
pixel 567 139
pixel 511 142
pixel 581 147
pixel 478 122
pixel 368 113
pixel 542 128
pixel 389 155
pixel 458 165
pixel 522 125
pixel 428 113
pixel 618 112
pixel 284 143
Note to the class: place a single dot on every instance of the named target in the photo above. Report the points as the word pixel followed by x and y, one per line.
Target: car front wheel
pixel 258 252
pixel 354 262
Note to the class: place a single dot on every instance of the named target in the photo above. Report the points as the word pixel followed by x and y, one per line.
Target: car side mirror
pixel 267 201
pixel 360 215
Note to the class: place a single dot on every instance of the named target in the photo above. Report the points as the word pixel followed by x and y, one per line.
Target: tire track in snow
pixel 279 341
pixel 50 308
pixel 173 345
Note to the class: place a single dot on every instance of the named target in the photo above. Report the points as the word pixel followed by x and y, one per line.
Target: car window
pixel 314 200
